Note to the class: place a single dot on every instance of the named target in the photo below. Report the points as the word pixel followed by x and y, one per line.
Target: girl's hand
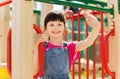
pixel 90 19
pixel 39 38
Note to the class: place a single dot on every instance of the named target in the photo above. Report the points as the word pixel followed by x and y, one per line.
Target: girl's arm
pixel 35 60
pixel 93 22
pixel 39 38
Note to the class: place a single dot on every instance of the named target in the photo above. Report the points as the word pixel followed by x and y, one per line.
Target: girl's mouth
pixel 56 32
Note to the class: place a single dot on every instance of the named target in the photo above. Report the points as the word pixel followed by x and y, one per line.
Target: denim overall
pixel 56 63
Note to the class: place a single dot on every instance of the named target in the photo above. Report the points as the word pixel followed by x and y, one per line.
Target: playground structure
pixel 104 39
pixel 102 46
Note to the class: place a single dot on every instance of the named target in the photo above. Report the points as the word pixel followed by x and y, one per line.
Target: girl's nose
pixel 56 27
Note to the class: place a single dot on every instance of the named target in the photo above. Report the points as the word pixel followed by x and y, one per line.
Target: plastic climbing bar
pixel 40 55
pixel 78 4
pixel 102 44
pixel 9 68
pixel 103 4
pixel 5 2
pixel 75 3
pixel 72 26
pixel 119 6
pixel 87 54
pixel 86 66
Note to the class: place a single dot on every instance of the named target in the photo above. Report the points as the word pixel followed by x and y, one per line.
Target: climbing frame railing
pixel 78 4
pixel 119 6
pixel 100 51
pixel 96 5
pixel 103 4
pixel 5 2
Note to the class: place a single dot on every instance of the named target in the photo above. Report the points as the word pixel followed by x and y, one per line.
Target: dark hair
pixel 54 16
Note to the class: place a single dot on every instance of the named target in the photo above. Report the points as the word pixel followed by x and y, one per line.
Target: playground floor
pixel 3 73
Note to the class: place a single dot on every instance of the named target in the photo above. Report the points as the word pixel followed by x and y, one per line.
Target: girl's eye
pixel 51 24
pixel 59 24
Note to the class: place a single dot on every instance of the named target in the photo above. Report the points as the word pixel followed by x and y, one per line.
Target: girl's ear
pixel 44 29
pixel 65 33
pixel 65 29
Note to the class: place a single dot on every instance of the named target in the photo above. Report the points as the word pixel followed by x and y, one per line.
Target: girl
pixel 59 55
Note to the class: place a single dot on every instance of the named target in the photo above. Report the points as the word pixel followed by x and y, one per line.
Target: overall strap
pixel 65 44
pixel 46 44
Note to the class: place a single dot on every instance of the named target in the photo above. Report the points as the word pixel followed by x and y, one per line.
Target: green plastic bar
pixel 103 4
pixel 119 6
pixel 78 4
pixel 37 12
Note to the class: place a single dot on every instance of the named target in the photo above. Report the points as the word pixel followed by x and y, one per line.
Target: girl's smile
pixel 56 32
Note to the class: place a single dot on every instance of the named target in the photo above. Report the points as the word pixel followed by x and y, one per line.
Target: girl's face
pixel 55 29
